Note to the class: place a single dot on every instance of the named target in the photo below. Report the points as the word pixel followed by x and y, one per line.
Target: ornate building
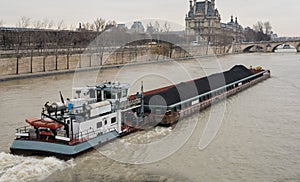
pixel 204 20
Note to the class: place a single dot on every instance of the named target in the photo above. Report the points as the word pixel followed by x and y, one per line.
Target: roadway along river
pixel 252 136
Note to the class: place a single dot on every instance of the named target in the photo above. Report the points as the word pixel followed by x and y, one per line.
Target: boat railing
pixel 135 101
pixel 84 135
pixel 24 129
pixel 88 134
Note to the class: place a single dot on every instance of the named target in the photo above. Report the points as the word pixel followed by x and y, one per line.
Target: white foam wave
pixel 19 168
pixel 149 135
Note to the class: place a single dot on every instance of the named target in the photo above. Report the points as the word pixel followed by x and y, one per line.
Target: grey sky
pixel 283 15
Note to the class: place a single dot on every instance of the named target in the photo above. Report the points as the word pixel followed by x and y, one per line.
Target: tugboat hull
pixel 65 151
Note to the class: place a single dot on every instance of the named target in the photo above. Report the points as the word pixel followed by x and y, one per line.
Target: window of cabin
pixel 92 93
pixel 113 120
pixel 107 95
pixel 99 124
pixel 99 97
pixel 124 93
pixel 113 95
pixel 105 122
pixel 110 95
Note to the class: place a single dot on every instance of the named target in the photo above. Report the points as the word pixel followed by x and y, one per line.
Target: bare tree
pixel 157 27
pixel 24 22
pixel 167 27
pixel 50 24
pixel 100 24
pixel 110 24
pixel 72 27
pixel 92 27
pixel 37 24
pixel 260 33
pixel 259 26
pixel 268 27
pixel 61 25
pixel 86 26
pixel 150 28
pixel 46 23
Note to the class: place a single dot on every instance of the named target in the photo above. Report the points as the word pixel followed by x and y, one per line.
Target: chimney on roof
pixel 213 6
pixel 206 7
pixel 191 4
pixel 195 2
pixel 236 20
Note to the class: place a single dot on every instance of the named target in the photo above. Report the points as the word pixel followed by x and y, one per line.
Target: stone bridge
pixel 265 46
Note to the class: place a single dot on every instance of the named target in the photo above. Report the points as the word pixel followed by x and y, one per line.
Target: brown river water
pixel 252 136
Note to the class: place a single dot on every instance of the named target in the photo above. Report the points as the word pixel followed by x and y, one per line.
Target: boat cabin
pixel 105 91
pixel 112 91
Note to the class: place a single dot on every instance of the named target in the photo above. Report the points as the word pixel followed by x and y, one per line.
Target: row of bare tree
pixel 44 38
pixel 260 32
pixel 99 24
pixel 26 22
pixel 158 28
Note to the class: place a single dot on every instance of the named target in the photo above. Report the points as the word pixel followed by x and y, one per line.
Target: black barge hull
pixel 186 98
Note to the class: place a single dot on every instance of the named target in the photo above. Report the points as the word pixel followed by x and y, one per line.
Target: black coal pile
pixel 186 90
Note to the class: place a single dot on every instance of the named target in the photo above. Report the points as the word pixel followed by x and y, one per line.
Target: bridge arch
pixel 160 47
pixel 268 48
pixel 298 47
pixel 275 47
pixel 253 48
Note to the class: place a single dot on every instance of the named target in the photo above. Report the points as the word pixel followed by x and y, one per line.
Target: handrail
pixel 87 133
pixel 23 129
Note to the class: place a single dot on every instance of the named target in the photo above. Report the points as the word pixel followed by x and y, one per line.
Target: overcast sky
pixel 283 15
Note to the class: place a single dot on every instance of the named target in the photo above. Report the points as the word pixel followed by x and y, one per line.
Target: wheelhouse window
pixel 92 93
pixel 113 120
pixel 109 95
pixel 99 124
pixel 124 93
pixel 99 97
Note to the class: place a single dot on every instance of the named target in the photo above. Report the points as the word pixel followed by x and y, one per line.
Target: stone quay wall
pixel 14 65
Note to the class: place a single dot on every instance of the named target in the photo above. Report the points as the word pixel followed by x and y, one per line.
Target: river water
pixel 252 136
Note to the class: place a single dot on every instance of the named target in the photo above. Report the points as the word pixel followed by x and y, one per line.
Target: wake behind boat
pixel 99 114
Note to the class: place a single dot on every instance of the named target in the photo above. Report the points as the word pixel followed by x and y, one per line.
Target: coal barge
pixel 99 114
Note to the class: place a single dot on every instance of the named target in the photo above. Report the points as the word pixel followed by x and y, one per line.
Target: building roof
pixel 200 7
pixel 137 26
